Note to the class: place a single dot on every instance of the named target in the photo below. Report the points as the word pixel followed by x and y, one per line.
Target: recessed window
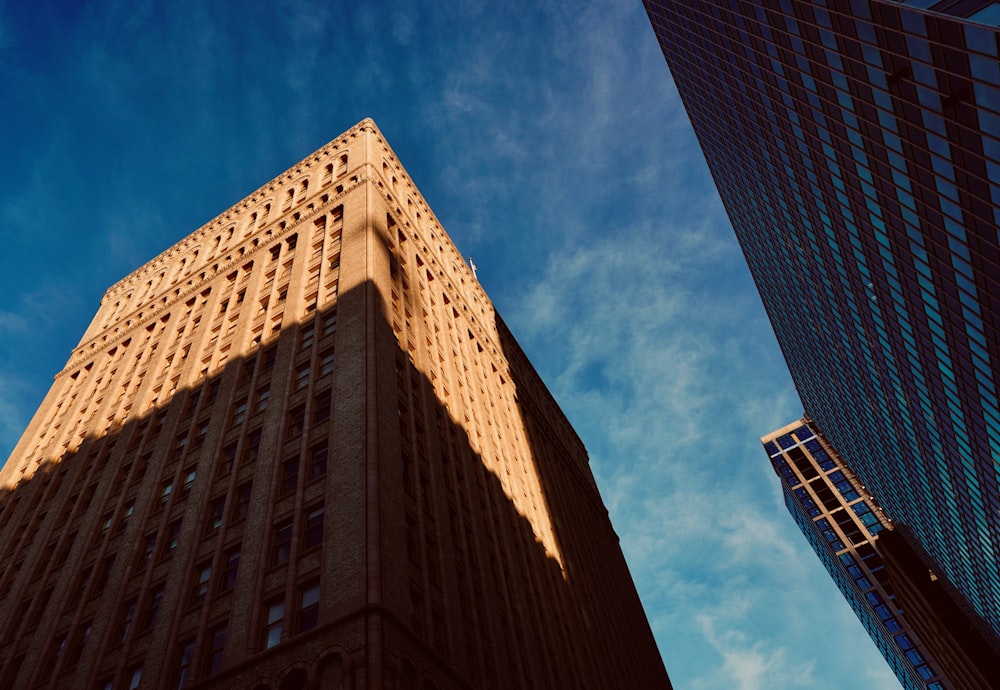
pixel 274 623
pixel 230 567
pixel 290 476
pixel 318 461
pixel 308 606
pixel 314 528
pixel 281 550
pixel 203 575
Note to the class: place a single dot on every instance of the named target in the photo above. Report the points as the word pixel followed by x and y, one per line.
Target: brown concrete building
pixel 299 449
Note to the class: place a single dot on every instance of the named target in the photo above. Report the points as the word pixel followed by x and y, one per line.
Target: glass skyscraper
pixel 856 147
pixel 843 523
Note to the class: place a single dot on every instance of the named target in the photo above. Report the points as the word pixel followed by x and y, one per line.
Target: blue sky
pixel 551 144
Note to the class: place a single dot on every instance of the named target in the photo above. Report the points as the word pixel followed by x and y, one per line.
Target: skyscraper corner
pixel 300 449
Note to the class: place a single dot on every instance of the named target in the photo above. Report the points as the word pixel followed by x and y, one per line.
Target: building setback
pixel 299 449
pixel 844 526
pixel 856 147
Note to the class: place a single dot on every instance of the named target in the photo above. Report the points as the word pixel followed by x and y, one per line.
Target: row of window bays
pixel 297 493
pixel 203 329
pixel 250 221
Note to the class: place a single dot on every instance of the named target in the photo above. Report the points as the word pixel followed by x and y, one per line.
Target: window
pixel 270 355
pixel 296 421
pixel 329 324
pixel 322 406
pixel 252 448
pixel 185 654
pixel 261 399
pixel 216 511
pixel 173 538
pixel 153 608
pixel 273 626
pixel 135 677
pixel 227 579
pixel 239 412
pixel 168 487
pixel 302 376
pixel 307 336
pixel 189 476
pixel 125 621
pixel 76 651
pixel 227 460
pixel 317 463
pixel 149 549
pixel 308 606
pixel 199 593
pixel 314 528
pixel 326 363
pixel 201 433
pixel 290 479
pixel 216 650
pixel 126 515
pixel 242 507
pixel 281 550
pixel 248 367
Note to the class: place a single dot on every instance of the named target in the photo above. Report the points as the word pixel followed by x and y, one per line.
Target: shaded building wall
pixel 299 449
pixel 954 642
pixel 856 148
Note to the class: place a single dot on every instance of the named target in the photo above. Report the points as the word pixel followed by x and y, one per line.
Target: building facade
pixel 843 524
pixel 299 449
pixel 856 147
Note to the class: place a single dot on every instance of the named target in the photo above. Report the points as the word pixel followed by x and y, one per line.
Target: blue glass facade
pixel 856 146
pixel 842 523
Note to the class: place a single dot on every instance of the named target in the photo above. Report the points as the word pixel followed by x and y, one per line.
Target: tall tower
pixel 299 449
pixel 844 524
pixel 856 147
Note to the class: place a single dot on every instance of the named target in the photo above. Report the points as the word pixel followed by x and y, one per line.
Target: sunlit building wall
pixel 856 147
pixel 300 449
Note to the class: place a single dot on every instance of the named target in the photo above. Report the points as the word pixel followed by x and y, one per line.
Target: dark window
pixel 199 592
pixel 173 538
pixel 189 476
pixel 317 463
pixel 185 654
pixel 125 620
pixel 217 509
pixel 239 412
pixel 302 376
pixel 216 650
pixel 281 550
pixel 252 448
pixel 322 407
pixel 296 421
pixel 153 609
pixel 227 460
pixel 76 651
pixel 308 606
pixel 227 579
pixel 314 528
pixel 290 478
pixel 201 433
pixel 168 488
pixel 262 399
pixel 242 507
